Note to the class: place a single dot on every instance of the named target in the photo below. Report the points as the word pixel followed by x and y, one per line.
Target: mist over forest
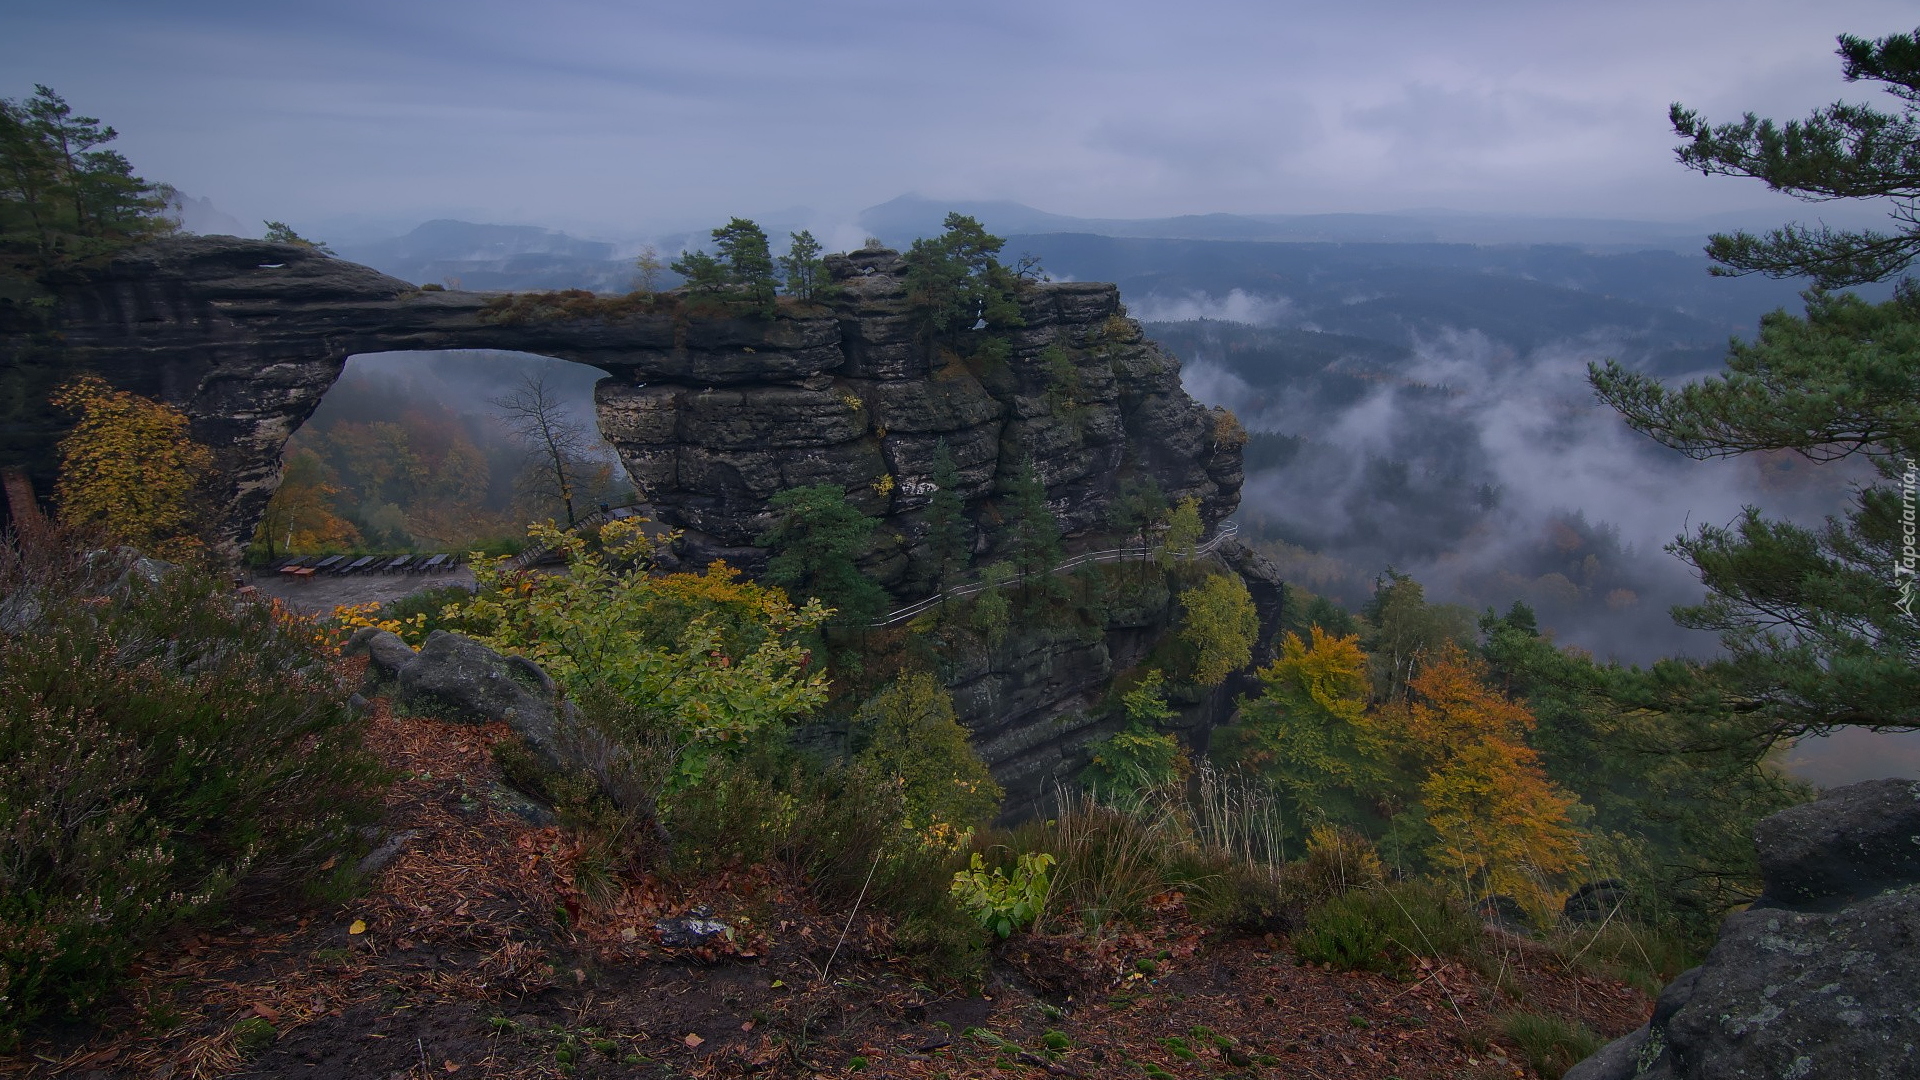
pixel 1413 401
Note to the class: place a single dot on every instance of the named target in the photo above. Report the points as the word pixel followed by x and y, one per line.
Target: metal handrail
pixel 529 556
pixel 1226 531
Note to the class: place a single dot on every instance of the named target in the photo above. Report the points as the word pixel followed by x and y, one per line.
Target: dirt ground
pixel 477 953
pixel 319 595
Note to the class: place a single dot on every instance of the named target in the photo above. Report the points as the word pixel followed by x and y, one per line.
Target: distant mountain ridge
pixel 899 221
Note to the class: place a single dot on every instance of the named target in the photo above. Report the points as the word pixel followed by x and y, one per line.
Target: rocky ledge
pixel 1818 980
pixel 712 415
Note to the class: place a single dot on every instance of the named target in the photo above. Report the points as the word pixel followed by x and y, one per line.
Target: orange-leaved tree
pixel 131 469
pixel 300 516
pixel 1497 819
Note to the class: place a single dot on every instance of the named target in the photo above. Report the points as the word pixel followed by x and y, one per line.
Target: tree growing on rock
pixel 279 232
pixel 1221 625
pixel 61 195
pixel 1033 541
pixel 805 270
pixel 949 534
pixel 1822 625
pixel 743 269
pixel 917 741
pixel 956 283
pixel 817 543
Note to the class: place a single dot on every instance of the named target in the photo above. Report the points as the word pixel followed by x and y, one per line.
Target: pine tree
pixel 1841 152
pixel 949 533
pixel 743 247
pixel 704 273
pixel 1034 540
pixel 816 543
pixel 805 270
pixel 1822 625
pixel 60 194
pixel 956 282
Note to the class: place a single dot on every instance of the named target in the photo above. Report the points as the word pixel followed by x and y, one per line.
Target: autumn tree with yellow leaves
pixel 131 469
pixel 1308 730
pixel 1445 767
pixel 300 516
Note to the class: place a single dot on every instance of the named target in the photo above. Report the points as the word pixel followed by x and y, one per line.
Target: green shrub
pixel 1005 902
pixel 1345 933
pixel 1128 764
pixel 841 828
pixel 1376 929
pixel 160 739
pixel 430 603
pixel 917 739
pixel 1551 1044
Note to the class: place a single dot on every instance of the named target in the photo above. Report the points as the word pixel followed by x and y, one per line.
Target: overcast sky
pixel 633 118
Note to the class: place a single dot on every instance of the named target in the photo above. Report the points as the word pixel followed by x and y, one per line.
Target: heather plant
pixel 162 741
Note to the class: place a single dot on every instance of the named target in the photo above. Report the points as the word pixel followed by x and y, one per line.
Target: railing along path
pixel 1226 531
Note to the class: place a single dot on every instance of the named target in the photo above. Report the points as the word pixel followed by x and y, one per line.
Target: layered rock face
pixel 1820 979
pixel 711 415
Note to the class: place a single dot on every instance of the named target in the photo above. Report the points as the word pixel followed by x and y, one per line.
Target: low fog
pixel 1489 474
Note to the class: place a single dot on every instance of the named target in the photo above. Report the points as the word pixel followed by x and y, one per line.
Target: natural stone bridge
pixel 712 416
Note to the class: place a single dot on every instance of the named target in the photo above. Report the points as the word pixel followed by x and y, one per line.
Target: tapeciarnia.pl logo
pixel 1903 567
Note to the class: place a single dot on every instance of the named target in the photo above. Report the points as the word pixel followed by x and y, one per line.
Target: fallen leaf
pixel 359 927
pixel 693 1041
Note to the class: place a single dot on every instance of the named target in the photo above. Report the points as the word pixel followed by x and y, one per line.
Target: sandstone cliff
pixel 712 415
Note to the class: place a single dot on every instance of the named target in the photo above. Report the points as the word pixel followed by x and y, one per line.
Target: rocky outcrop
pixel 712 415
pixel 456 678
pixel 1031 702
pixel 1817 980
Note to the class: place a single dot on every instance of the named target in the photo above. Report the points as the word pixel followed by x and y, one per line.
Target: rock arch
pixel 712 416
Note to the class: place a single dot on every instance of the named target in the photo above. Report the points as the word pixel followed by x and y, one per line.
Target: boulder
pixel 1858 841
pixel 456 678
pixel 386 653
pixel 1818 980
